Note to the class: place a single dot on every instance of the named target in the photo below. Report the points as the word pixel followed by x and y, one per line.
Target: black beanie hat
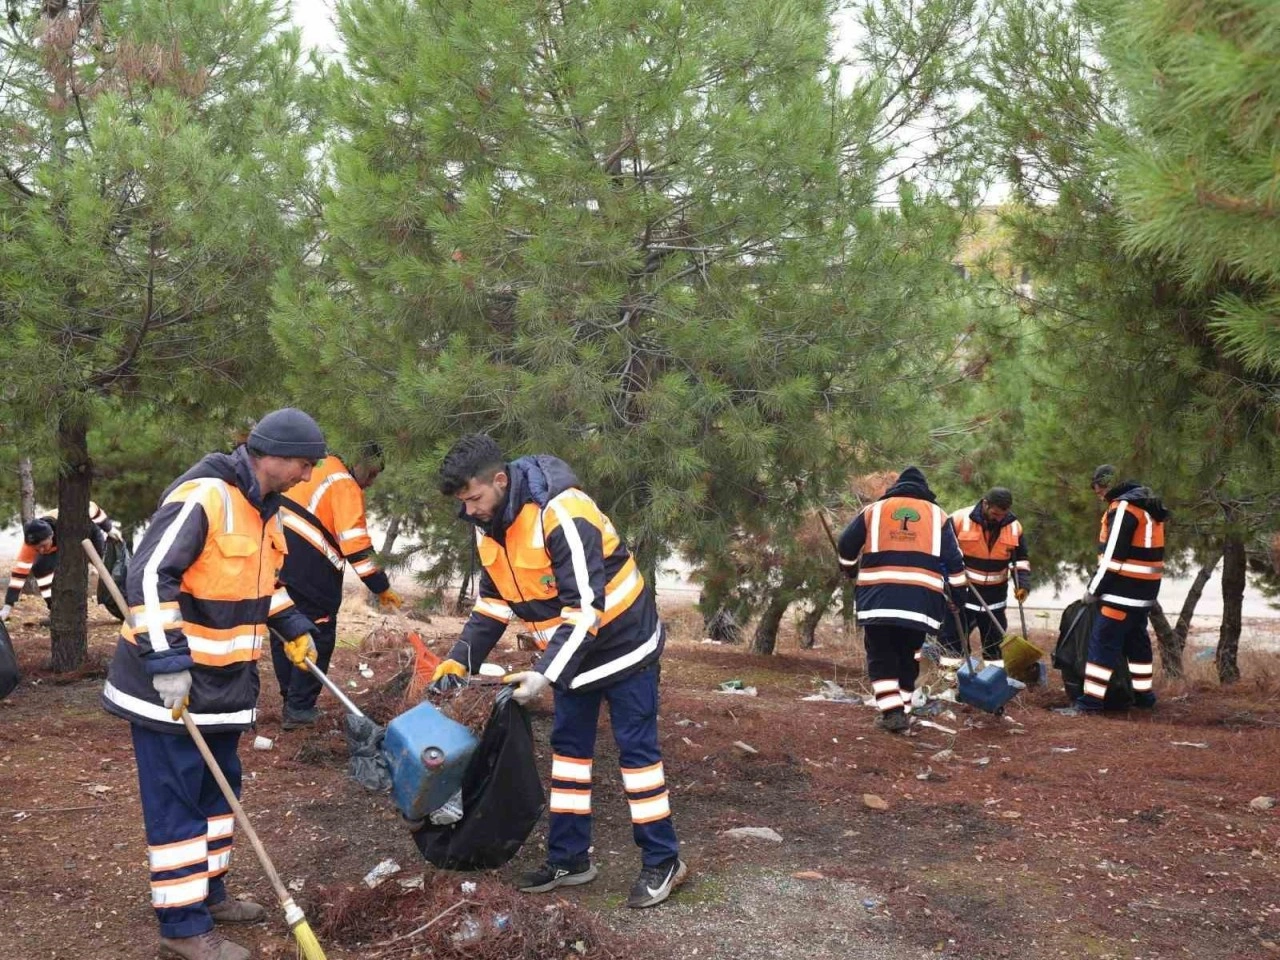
pixel 1104 475
pixel 36 531
pixel 287 433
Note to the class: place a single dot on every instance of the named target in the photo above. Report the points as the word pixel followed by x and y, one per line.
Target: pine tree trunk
pixel 1173 640
pixel 68 614
pixel 809 628
pixel 463 604
pixel 26 489
pixel 765 638
pixel 1233 580
pixel 393 532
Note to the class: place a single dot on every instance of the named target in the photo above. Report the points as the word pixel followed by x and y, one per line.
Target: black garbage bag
pixel 9 674
pixel 116 557
pixel 502 797
pixel 368 766
pixel 1072 653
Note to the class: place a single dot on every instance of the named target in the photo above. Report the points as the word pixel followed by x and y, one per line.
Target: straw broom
pixel 308 945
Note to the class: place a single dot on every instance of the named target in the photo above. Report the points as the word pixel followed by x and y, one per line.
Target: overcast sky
pixel 315 17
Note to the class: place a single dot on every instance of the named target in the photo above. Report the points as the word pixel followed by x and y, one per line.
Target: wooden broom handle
pixel 241 817
pixel 267 866
pixel 104 577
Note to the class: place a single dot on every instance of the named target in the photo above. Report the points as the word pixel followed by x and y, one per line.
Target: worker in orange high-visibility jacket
pixel 992 542
pixel 38 557
pixel 552 558
pixel 203 589
pixel 1125 587
pixel 325 529
pixel 904 555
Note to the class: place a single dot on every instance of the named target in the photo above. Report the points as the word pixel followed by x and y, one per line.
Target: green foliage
pixel 1116 355
pixel 644 235
pixel 154 177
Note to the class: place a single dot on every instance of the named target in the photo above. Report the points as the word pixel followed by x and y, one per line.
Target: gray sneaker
pixel 656 883
pixel 549 876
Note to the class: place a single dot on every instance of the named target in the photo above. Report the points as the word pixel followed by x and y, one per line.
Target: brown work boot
pixel 206 946
pixel 237 911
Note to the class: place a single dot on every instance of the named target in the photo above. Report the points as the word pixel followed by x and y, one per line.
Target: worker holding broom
pixel 992 541
pixel 554 560
pixel 202 590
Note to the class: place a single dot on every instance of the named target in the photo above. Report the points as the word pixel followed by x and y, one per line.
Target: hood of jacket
pixel 539 479
pixel 1143 497
pixel 911 483
pixel 236 470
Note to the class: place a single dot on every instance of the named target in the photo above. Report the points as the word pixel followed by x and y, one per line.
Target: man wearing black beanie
pixel 203 589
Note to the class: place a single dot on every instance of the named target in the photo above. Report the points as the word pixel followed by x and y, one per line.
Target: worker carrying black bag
pixel 502 797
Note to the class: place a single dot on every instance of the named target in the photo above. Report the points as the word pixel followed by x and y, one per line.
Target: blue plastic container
pixel 987 689
pixel 428 754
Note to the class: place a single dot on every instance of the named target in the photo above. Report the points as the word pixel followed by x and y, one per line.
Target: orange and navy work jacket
pixel 30 564
pixel 1131 552
pixel 554 560
pixel 905 555
pixel 202 589
pixel 325 528
pixel 989 553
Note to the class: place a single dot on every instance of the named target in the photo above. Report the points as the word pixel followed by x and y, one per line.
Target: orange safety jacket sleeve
pixel 173 541
pixel 18 575
pixel 484 628
pixel 576 548
pixel 351 529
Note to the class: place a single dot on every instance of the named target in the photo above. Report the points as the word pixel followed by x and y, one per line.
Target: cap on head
pixel 1104 476
pixel 287 432
pixel 36 531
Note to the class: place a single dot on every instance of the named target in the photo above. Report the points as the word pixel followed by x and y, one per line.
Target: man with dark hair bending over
pixel 553 559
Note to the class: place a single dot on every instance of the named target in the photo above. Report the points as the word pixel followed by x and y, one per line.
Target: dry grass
pixel 490 922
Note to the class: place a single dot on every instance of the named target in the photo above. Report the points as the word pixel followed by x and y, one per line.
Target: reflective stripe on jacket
pixel 987 559
pixel 563 570
pixel 905 552
pixel 202 588
pixel 325 527
pixel 1131 564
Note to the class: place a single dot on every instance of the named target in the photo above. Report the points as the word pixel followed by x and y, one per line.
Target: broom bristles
pixel 308 946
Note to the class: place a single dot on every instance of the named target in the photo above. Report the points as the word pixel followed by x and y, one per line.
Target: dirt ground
pixel 1036 836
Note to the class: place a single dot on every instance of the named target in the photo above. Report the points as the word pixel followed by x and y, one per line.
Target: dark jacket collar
pixel 235 469
pixel 535 479
pixel 1142 497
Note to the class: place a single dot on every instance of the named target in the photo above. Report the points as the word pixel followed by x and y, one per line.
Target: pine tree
pixel 646 235
pixel 154 163
pixel 1114 356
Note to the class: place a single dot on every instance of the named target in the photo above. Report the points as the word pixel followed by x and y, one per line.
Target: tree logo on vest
pixel 906 515
pixel 547 580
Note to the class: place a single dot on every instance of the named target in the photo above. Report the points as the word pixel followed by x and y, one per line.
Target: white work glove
pixel 529 685
pixel 116 535
pixel 4 612
pixel 173 689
